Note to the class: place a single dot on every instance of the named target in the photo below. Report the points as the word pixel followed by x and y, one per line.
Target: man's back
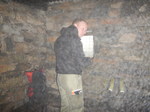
pixel 68 50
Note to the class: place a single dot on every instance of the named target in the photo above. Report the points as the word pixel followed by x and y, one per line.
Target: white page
pixel 88 45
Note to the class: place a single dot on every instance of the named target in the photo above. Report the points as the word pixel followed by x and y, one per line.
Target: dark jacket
pixel 69 52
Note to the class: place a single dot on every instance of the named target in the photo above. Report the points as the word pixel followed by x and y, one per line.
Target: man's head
pixel 81 25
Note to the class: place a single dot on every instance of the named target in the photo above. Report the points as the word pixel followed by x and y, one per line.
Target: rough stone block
pixel 9 83
pixel 51 39
pixel 5 60
pixel 22 47
pixel 18 38
pixel 20 18
pixel 111 21
pixel 3 6
pixel 8 29
pixel 128 38
pixel 133 58
pixel 88 5
pixel 114 13
pixel 6 68
pixel 117 5
pixel 51 23
pixel 92 23
pixel 33 20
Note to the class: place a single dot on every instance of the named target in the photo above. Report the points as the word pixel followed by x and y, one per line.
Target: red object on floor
pixel 30 89
pixel 29 76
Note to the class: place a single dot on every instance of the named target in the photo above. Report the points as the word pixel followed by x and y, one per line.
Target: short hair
pixel 78 20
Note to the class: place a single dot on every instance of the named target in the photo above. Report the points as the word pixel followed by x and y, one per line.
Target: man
pixel 70 61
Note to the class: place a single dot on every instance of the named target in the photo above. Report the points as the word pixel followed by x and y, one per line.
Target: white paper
pixel 88 45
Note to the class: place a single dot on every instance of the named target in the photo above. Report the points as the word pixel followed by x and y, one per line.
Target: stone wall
pixel 118 79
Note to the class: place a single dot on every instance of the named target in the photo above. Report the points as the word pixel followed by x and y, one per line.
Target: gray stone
pixel 18 38
pixel 9 30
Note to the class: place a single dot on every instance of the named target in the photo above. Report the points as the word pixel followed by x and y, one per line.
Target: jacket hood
pixel 68 32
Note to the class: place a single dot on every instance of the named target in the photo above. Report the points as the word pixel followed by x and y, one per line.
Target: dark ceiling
pixel 41 4
pixel 31 0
